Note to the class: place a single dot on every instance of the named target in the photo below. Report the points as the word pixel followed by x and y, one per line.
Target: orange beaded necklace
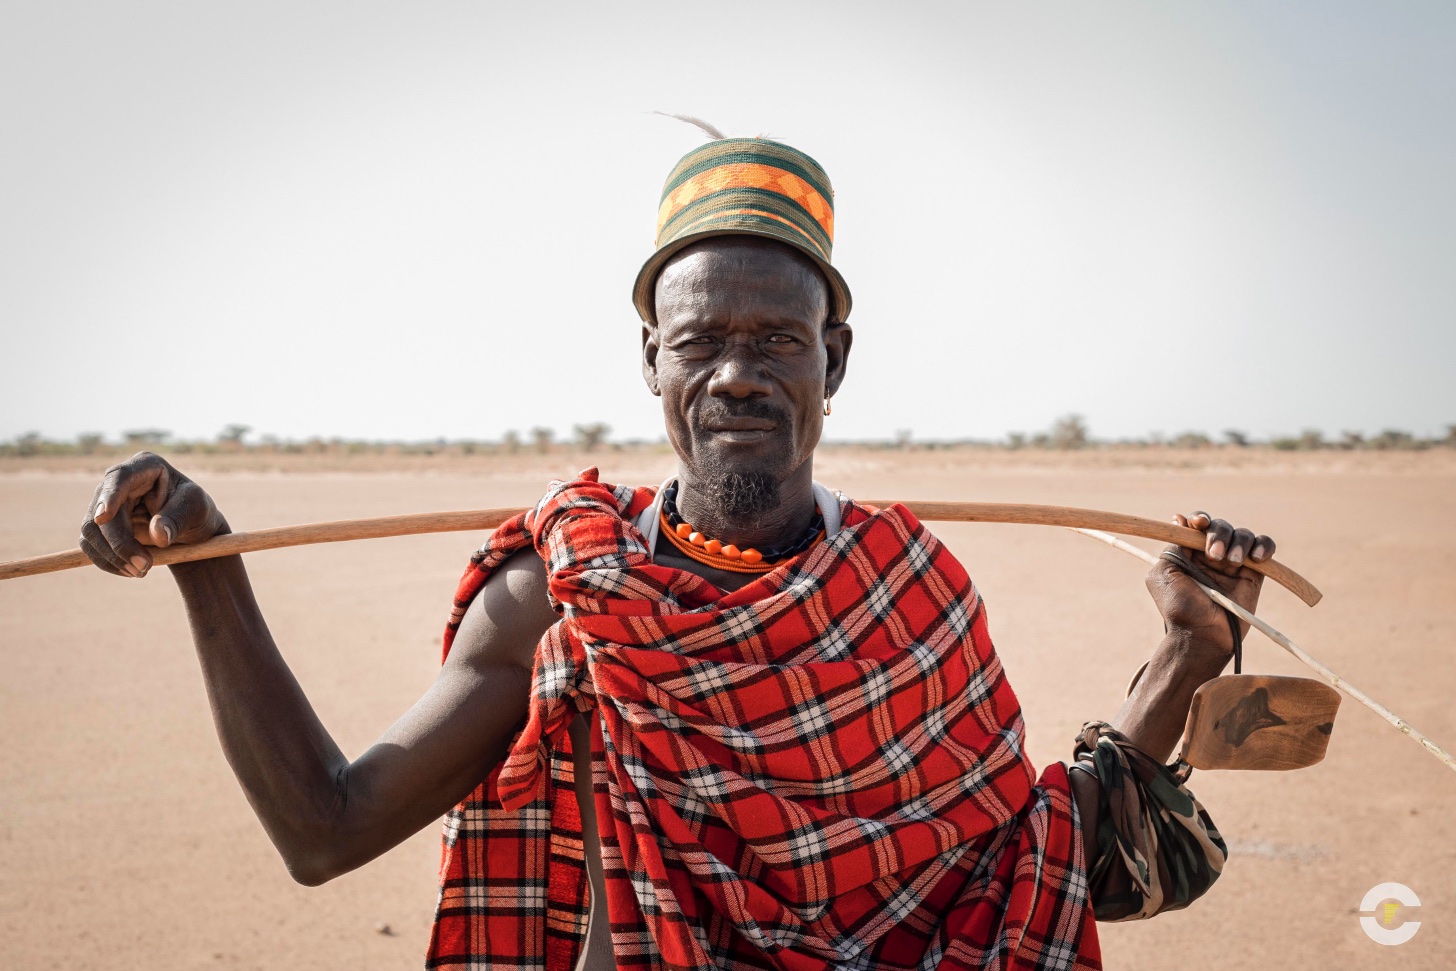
pixel 726 556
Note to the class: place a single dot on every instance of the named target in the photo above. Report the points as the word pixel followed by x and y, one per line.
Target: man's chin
pixel 744 452
pixel 744 495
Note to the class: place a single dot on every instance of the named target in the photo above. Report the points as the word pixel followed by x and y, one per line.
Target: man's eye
pixel 700 339
pixel 782 339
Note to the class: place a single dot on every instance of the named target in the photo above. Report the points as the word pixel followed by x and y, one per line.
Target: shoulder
pixel 508 616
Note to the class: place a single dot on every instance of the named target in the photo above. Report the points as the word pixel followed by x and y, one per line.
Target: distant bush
pixel 1392 439
pixel 590 437
pixel 1192 440
pixel 1068 432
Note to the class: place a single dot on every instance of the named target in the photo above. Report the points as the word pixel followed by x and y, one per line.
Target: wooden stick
pixel 1112 522
pixel 1330 677
pixel 278 537
pixel 480 519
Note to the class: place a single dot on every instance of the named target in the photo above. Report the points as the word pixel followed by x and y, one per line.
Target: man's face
pixel 742 358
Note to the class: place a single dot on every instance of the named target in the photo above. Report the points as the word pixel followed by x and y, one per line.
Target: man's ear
pixel 837 339
pixel 649 358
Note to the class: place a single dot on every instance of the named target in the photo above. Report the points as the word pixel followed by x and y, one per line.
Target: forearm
pixel 1154 714
pixel 286 762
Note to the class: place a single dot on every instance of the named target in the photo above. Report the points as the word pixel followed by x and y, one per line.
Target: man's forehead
pixel 736 255
pixel 741 277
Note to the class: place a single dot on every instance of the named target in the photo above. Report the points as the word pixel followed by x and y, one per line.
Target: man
pixel 788 738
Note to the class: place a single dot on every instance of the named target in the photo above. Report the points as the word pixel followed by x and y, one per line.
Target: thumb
pixel 184 511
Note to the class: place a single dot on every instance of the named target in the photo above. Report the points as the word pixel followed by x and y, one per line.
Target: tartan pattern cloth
pixel 745 186
pixel 822 769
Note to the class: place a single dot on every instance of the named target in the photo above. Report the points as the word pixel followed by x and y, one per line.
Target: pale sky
pixel 413 220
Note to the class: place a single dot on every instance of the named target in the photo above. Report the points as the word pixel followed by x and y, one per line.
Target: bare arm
pixel 325 814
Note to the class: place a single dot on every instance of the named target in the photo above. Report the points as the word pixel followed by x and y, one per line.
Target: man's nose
pixel 740 373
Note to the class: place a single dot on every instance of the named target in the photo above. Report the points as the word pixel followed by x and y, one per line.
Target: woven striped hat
pixel 745 186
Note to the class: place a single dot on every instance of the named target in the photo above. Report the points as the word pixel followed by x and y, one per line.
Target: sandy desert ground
pixel 126 844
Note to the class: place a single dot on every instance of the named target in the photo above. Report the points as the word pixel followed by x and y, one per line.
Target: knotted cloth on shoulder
pixel 822 769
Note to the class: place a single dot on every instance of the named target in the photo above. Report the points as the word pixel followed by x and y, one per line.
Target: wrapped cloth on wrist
pixel 1150 827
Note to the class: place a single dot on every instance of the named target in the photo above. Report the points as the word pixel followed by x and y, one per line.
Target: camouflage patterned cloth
pixel 1151 827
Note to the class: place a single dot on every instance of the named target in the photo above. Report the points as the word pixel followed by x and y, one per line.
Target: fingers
pixel 1226 546
pixel 99 551
pixel 1240 545
pixel 119 534
pixel 124 484
pixel 127 491
pixel 1216 536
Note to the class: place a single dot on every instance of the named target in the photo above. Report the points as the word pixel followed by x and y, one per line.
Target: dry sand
pixel 125 842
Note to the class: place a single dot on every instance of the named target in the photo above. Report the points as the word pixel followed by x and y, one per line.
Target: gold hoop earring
pixel 827 409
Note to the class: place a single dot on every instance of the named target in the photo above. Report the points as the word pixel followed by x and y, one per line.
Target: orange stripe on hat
pixel 748 175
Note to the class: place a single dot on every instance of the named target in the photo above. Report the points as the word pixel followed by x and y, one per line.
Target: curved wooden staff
pixel 478 519
pixel 1093 522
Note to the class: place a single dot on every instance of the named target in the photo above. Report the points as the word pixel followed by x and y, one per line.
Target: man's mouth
pixel 741 425
pixel 742 431
pixel 743 436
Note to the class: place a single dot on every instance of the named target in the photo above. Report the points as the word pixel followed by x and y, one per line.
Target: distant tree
pixel 542 438
pixel 1236 438
pixel 511 441
pixel 88 443
pixel 903 437
pixel 1450 435
pixel 1311 439
pixel 29 444
pixel 233 435
pixel 145 436
pixel 1192 440
pixel 1015 440
pixel 1393 439
pixel 590 437
pixel 1068 432
pixel 1352 440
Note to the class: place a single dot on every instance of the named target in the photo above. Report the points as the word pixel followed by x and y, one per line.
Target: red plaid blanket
pixel 822 769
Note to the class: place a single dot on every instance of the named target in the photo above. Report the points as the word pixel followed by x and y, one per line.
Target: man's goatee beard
pixel 740 496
